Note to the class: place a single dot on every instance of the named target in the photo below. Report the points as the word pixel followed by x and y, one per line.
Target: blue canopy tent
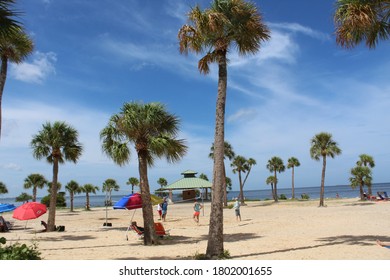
pixel 7 207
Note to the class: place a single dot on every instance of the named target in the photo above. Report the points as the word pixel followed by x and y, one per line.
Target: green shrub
pixel 18 251
pixel 283 197
pixel 305 196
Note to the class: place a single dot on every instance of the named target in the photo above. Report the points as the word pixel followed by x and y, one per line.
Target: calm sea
pixel 344 191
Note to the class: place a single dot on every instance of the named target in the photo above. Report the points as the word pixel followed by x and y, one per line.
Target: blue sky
pixel 92 56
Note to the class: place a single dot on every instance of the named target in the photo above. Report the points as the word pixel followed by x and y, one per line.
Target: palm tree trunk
pixel 292 184
pixel 242 200
pixel 51 220
pixel 275 188
pixel 3 77
pixel 215 246
pixel 224 187
pixel 150 236
pixel 87 201
pixel 34 194
pixel 322 192
pixel 361 192
pixel 71 201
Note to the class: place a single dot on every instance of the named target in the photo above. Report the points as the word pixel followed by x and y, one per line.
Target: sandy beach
pixel 347 229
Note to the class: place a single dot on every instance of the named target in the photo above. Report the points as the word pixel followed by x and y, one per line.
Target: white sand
pixel 344 230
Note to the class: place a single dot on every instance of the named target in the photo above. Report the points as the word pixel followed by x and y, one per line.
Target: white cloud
pixel 298 28
pixel 36 71
pixel 11 166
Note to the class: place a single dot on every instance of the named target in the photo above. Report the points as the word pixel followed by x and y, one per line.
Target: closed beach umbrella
pixel 29 211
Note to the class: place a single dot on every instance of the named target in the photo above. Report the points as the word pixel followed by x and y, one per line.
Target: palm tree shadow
pixel 352 240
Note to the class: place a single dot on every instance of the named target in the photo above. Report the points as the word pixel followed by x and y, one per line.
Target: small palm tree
pixel 272 180
pixel 361 21
pixel 57 143
pixel 366 160
pixel 162 182
pixel 276 165
pixel 361 175
pixel 133 182
pixel 293 162
pixel 73 188
pixel 108 186
pixel 228 153
pixel 214 32
pixel 23 197
pixel 35 181
pixel 3 188
pixel 15 48
pixel 87 189
pixel 242 165
pixel 152 131
pixel 323 146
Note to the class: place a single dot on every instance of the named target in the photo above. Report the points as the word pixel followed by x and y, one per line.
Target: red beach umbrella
pixel 29 211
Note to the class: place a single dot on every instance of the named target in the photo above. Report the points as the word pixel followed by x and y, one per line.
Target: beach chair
pixel 160 230
pixel 383 196
pixel 4 225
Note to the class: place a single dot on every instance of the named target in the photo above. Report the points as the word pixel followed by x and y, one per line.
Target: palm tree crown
pixel 35 181
pixel 362 20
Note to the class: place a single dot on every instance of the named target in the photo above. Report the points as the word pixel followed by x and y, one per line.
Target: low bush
pixel 18 251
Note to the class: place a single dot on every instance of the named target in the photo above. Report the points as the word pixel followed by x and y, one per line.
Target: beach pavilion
pixel 189 185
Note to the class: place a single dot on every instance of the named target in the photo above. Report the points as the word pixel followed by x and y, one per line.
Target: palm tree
pixel 162 182
pixel 57 143
pixel 323 146
pixel 108 186
pixel 213 32
pixel 8 22
pixel 15 48
pixel 293 162
pixel 242 165
pixel 361 20
pixel 366 160
pixel 272 180
pixel 229 153
pixel 23 197
pixel 152 131
pixel 87 189
pixel 361 175
pixel 3 188
pixel 73 188
pixel 276 165
pixel 133 182
pixel 35 181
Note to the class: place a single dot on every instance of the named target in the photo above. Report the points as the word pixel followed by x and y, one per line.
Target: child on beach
pixel 197 207
pixel 164 209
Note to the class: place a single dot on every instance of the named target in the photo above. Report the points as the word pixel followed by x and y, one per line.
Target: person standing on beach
pixel 197 207
pixel 159 210
pixel 164 209
pixel 236 208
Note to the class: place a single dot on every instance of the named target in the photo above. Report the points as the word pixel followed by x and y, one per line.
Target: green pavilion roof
pixel 189 182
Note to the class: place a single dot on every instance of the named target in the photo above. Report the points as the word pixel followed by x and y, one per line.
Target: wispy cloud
pixel 298 28
pixel 11 166
pixel 36 71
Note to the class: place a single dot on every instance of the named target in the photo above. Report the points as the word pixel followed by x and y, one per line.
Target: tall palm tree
pixel 152 131
pixel 272 180
pixel 35 181
pixel 228 153
pixel 133 182
pixel 361 175
pixel 293 162
pixel 323 146
pixel 214 32
pixel 276 165
pixel 87 189
pixel 366 160
pixel 15 48
pixel 3 188
pixel 109 185
pixel 73 188
pixel 57 143
pixel 359 21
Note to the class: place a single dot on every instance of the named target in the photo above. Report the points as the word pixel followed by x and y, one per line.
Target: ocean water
pixel 344 191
